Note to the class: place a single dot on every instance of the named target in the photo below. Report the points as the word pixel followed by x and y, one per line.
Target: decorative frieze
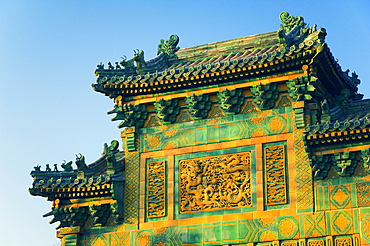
pixel 156 189
pixel 347 241
pixel 316 242
pixel 275 175
pixel 217 182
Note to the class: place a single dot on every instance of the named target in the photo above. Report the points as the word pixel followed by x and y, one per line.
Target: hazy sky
pixel 49 51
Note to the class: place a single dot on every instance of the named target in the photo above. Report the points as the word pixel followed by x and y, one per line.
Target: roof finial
pixel 169 47
pixel 290 22
pixel 294 30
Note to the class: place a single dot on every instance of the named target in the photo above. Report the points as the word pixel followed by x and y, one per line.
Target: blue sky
pixel 49 51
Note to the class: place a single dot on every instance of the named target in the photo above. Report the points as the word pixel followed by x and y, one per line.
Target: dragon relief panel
pixel 275 175
pixel 156 194
pixel 217 182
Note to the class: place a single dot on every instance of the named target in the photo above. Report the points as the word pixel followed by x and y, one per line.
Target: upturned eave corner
pixel 90 190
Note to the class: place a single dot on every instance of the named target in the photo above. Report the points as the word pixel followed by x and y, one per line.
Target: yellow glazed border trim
pixel 260 213
pixel 138 100
pixel 340 150
pixel 216 146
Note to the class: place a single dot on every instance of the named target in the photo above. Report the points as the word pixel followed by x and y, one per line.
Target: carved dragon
pixel 215 183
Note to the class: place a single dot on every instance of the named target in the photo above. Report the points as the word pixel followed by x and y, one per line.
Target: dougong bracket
pixel 231 101
pixel 301 88
pixel 167 110
pixel 131 115
pixel 69 216
pixel 345 163
pixel 198 106
pixel 321 165
pixel 265 95
pixel 100 214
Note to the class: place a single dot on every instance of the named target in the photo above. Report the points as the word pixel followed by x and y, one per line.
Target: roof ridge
pixel 231 44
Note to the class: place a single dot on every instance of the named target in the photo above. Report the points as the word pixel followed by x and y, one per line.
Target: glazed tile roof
pixel 207 60
pixel 295 44
pixel 345 123
pixel 60 184
pixel 174 69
